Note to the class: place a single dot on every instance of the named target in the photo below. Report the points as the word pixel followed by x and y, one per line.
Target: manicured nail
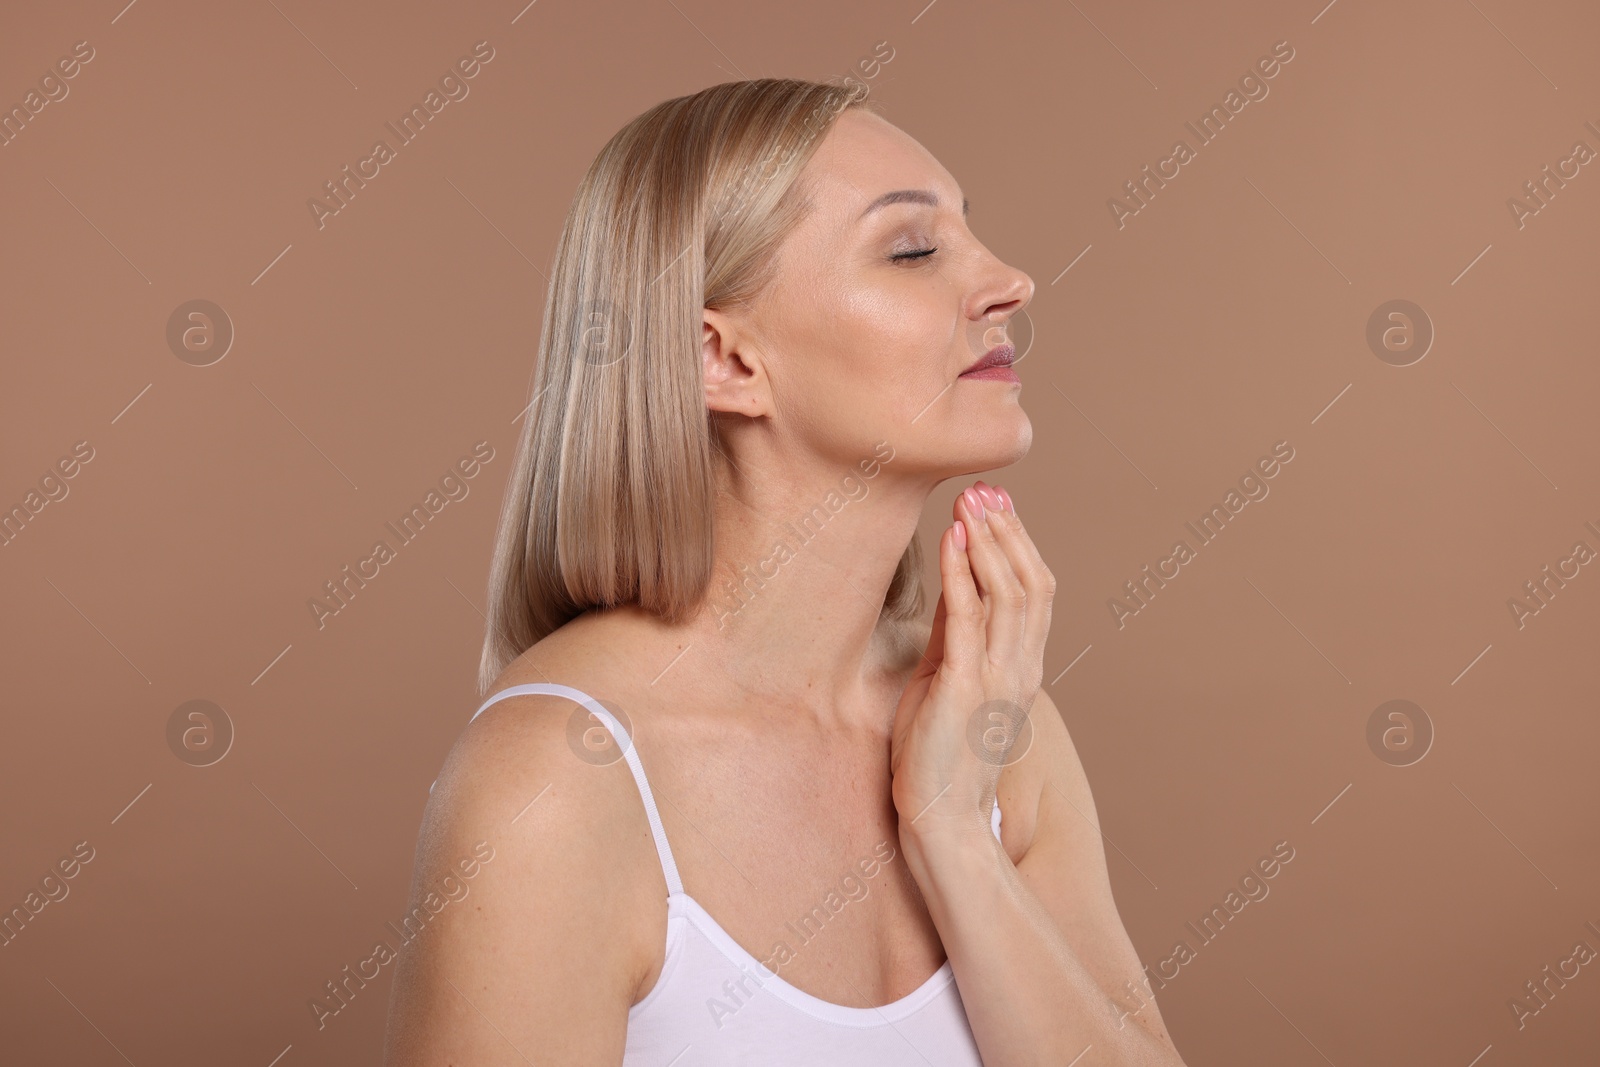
pixel 990 497
pixel 1005 498
pixel 974 502
pixel 961 535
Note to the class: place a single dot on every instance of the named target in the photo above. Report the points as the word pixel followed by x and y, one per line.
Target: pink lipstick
pixel 994 366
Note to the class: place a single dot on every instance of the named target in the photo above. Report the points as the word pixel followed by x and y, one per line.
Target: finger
pixel 1031 571
pixel 1007 600
pixel 964 644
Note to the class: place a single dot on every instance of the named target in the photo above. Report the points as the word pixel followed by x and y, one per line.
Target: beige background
pixel 1228 315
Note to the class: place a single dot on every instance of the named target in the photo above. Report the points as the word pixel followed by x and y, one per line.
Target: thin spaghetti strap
pixel 669 866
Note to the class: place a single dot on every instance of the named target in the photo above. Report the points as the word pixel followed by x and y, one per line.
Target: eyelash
pixel 919 254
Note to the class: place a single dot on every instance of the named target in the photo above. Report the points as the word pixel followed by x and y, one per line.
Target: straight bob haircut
pixel 610 496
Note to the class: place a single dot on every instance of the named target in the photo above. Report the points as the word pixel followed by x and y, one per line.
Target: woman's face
pixel 864 338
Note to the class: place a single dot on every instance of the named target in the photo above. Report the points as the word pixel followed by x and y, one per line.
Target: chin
pixel 1003 443
pixel 971 444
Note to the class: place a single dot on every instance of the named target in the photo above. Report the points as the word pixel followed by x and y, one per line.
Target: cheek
pixel 907 333
pixel 876 351
pixel 905 363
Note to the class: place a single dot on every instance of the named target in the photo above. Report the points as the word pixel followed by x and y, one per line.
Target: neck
pixel 801 568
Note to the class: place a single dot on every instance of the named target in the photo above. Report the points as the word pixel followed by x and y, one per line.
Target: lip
pixel 995 365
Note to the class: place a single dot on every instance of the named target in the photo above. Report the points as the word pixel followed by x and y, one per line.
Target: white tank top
pixel 716 1005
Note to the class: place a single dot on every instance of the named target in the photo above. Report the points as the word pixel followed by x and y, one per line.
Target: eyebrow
pixel 909 196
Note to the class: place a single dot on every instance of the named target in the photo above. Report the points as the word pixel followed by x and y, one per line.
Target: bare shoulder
pixel 527 951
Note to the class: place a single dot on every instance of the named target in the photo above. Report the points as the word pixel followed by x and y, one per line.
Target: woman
pixel 741 808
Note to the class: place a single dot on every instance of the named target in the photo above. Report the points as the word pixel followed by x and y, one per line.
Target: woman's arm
pixel 1039 953
pixel 530 960
pixel 1043 963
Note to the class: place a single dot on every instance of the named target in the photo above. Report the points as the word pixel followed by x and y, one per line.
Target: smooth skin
pixel 791 735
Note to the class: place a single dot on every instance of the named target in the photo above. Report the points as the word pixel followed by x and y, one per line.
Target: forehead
pixel 864 156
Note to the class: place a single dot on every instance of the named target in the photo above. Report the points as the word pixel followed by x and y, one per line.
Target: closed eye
pixel 918 254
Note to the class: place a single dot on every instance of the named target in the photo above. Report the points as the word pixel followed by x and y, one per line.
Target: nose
pixel 1008 291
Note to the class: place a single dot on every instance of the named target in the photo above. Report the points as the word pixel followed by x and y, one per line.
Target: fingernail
pixel 990 497
pixel 1005 498
pixel 961 535
pixel 974 502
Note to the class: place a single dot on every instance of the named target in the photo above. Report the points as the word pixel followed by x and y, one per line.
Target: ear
pixel 735 379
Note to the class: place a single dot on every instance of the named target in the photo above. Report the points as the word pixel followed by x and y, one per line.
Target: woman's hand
pixel 966 704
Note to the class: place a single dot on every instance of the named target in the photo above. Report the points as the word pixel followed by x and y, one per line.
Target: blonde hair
pixel 611 493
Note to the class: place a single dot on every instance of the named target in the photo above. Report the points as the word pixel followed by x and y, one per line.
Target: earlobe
pixel 733 393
